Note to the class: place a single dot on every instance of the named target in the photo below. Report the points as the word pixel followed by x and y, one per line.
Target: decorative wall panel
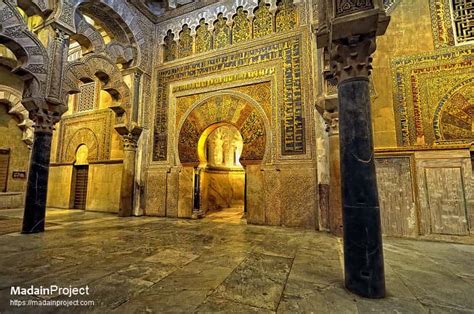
pixel 447 201
pixel 87 97
pixel 92 129
pixel 203 37
pixel 287 51
pixel 441 20
pixel 241 28
pixel 424 85
pixel 221 32
pixel 185 46
pixel 170 48
pixel 286 17
pixel 396 195
pixel 263 20
pixel 223 109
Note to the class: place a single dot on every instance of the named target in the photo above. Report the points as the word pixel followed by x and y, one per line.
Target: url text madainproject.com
pixel 51 290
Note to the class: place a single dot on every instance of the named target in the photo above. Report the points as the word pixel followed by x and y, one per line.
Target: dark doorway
pixel 81 175
pixel 4 161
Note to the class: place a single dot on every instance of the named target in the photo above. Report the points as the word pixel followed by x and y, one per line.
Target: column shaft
pixel 363 253
pixel 37 185
pixel 128 181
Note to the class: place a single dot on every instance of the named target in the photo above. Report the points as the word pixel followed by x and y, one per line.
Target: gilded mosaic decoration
pixel 288 51
pixel 223 109
pixel 463 17
pixel 263 20
pixel 443 33
pixel 260 92
pixel 286 18
pixel 241 28
pixel 203 37
pixel 454 116
pixel 185 45
pixel 424 85
pixel 221 32
pixel 170 48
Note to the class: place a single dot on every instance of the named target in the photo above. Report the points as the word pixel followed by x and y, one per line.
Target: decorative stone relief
pixel 241 30
pixel 263 20
pixel 287 51
pixel 92 129
pixel 185 43
pixel 203 37
pixel 286 17
pixel 169 48
pixel 221 32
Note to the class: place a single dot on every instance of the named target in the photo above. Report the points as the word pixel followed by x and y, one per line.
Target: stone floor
pixel 165 265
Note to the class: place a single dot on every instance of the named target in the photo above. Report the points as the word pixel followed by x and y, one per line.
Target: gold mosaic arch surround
pixel 237 116
pixel 256 82
pixel 454 115
pixel 420 83
pixel 286 48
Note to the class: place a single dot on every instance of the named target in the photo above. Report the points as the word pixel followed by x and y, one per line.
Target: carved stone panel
pixel 446 199
pixel 396 196
pixel 92 129
pixel 444 186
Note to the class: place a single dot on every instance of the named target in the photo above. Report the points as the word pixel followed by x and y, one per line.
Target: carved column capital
pixel 130 136
pixel 352 57
pixel 44 120
pixel 332 122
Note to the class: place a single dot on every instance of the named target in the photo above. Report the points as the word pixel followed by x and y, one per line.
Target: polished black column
pixel 37 187
pixel 363 254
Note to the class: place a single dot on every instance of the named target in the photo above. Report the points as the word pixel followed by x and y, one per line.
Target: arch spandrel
pixel 224 108
pixel 84 136
pixel 130 30
pixel 28 50
pixel 97 66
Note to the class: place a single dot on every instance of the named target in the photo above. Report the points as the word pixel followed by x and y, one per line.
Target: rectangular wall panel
pixel 396 196
pixel 446 200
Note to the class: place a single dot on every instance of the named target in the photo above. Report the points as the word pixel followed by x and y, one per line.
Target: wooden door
pixel 4 161
pixel 80 186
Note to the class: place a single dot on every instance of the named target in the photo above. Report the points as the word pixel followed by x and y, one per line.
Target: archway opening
pixel 220 177
pixel 80 177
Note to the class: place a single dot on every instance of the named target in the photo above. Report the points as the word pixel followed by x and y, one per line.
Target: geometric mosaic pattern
pixel 463 20
pixel 425 85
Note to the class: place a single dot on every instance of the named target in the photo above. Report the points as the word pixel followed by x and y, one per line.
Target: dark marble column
pixel 363 253
pixel 37 185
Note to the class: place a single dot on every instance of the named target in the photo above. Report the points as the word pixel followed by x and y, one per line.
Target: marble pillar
pixel 130 143
pixel 363 252
pixel 335 206
pixel 37 186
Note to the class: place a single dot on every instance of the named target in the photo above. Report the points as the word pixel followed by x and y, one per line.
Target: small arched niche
pixel 221 177
pixel 80 180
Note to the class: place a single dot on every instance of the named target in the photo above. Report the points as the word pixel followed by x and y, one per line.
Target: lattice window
pixel 87 97
pixel 463 20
